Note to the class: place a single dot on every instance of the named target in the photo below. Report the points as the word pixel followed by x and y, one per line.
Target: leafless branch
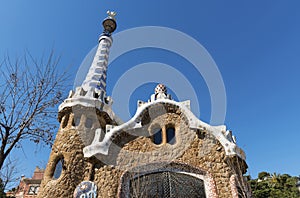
pixel 10 173
pixel 29 94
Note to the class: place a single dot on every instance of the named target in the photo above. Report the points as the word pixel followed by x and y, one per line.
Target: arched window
pixel 65 121
pixel 76 121
pixel 157 137
pixel 58 168
pixel 171 139
pixel 164 135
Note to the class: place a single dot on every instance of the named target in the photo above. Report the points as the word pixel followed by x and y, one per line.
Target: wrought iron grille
pixel 166 184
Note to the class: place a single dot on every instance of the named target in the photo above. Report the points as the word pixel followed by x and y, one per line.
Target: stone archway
pixel 166 184
pixel 166 180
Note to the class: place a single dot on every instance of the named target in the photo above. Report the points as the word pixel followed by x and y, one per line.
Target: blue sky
pixel 255 45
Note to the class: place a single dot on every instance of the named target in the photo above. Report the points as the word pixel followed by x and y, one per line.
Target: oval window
pixel 58 168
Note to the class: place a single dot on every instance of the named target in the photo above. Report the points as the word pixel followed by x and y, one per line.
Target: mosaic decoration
pixel 160 92
pixel 96 77
pixel 86 189
pixel 160 88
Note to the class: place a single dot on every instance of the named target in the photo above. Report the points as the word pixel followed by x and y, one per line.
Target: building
pixel 28 187
pixel 163 151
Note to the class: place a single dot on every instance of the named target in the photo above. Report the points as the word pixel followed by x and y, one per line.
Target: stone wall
pixel 195 148
pixel 67 146
pixel 195 151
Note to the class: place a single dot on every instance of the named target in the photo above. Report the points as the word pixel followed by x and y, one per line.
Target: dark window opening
pixel 200 134
pixel 171 138
pixel 89 123
pixel 76 121
pixel 157 137
pixel 33 190
pixel 65 121
pixel 58 168
pixel 94 170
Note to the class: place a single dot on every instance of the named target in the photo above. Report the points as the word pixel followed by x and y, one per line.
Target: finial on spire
pixel 109 23
pixel 111 14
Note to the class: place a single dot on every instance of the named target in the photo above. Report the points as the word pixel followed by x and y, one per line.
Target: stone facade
pixel 196 151
pixel 163 151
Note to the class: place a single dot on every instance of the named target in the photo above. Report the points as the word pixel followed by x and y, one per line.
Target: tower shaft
pixel 96 77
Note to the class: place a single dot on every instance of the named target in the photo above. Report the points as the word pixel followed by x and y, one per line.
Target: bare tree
pixel 10 173
pixel 30 91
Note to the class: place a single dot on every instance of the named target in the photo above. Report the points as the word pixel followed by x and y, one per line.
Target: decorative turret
pixel 92 92
pixel 164 150
pixel 96 77
pixel 160 92
pixel 86 110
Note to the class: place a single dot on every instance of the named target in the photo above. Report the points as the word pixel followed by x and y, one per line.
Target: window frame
pixel 164 135
pixel 33 190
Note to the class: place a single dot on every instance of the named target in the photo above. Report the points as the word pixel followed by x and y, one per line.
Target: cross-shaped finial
pixel 111 14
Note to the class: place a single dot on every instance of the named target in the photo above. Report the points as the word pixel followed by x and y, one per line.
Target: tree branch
pixel 31 91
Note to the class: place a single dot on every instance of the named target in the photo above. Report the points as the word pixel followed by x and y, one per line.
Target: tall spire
pixel 96 77
pixel 92 92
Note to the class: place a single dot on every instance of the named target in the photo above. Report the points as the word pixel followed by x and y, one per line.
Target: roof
pixel 32 181
pixel 224 136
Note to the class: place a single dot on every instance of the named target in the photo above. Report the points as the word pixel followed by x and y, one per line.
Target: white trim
pixel 231 149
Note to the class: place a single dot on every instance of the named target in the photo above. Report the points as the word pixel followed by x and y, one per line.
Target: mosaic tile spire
pixel 96 77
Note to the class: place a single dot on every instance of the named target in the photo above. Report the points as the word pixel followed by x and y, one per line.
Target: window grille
pixel 166 184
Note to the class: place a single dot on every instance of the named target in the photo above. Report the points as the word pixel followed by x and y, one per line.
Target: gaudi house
pixel 162 151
